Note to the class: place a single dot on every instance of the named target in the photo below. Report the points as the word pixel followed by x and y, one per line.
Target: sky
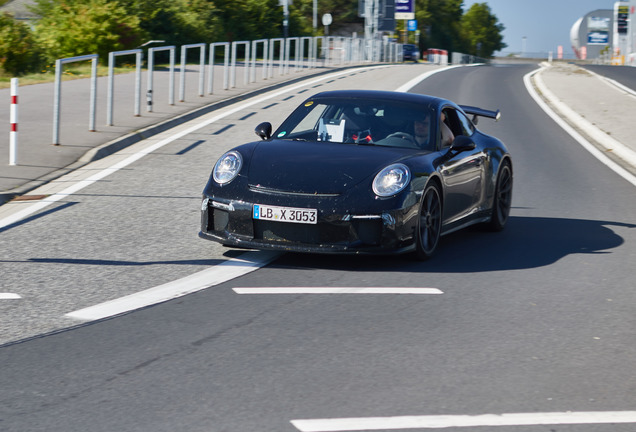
pixel 545 24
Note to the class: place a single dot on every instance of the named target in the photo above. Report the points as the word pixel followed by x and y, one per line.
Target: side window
pixel 448 126
pixel 466 125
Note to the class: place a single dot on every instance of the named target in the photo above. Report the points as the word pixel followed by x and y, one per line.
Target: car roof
pixel 381 95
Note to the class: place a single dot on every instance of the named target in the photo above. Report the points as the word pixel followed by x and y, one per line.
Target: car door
pixel 463 173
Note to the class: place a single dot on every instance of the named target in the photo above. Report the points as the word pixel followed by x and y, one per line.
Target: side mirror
pixel 264 130
pixel 462 143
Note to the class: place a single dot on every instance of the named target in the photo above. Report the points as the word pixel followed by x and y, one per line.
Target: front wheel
pixel 503 198
pixel 429 226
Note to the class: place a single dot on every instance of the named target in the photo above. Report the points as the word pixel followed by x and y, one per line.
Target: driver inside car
pixel 421 131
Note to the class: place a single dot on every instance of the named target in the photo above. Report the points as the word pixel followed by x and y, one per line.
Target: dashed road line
pixel 9 296
pixel 336 290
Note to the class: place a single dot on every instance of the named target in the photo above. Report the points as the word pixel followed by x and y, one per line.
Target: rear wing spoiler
pixel 479 112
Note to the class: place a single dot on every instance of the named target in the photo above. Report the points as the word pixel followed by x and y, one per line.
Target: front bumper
pixel 338 231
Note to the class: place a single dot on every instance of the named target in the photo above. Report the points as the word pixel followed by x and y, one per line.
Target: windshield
pixel 366 122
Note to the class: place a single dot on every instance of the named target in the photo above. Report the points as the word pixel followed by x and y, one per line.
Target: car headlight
pixel 391 180
pixel 227 167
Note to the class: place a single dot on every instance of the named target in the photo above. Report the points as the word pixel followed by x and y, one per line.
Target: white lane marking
pixel 9 296
pixel 574 134
pixel 35 207
pixel 230 269
pixel 447 421
pixel 335 290
pixel 415 81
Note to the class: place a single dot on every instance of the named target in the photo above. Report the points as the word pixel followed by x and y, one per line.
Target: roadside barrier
pixel 58 92
pixel 151 68
pixel 184 50
pixel 226 64
pixel 111 82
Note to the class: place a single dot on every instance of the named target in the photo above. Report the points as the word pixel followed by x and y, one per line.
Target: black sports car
pixel 360 172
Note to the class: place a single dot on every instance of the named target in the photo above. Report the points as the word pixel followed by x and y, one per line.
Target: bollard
pixel 13 135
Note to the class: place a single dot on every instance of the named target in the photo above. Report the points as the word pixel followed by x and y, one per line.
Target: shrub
pixel 19 52
pixel 75 28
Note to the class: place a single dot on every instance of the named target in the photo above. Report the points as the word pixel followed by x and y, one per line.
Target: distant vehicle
pixel 410 52
pixel 358 171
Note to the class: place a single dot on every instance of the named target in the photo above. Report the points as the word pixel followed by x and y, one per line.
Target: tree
pixel 481 31
pixel 77 27
pixel 177 22
pixel 440 23
pixel 19 52
pixel 248 19
pixel 446 17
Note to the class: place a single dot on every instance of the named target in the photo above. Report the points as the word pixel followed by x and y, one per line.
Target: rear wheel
pixel 429 225
pixel 503 198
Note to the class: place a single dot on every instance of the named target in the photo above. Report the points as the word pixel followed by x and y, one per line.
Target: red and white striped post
pixel 13 135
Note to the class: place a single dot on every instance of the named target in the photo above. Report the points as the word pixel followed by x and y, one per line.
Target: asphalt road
pixel 535 319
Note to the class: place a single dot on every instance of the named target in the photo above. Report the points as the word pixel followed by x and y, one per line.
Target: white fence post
pixel 151 66
pixel 111 83
pixel 272 45
pixel 253 64
pixel 246 77
pixel 182 73
pixel 57 92
pixel 226 65
pixel 13 135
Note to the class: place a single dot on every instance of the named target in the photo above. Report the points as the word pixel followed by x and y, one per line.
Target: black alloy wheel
pixel 503 198
pixel 430 222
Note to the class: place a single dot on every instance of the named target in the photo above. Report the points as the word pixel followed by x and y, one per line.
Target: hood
pixel 317 167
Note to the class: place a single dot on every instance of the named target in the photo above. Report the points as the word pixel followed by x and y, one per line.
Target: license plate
pixel 285 214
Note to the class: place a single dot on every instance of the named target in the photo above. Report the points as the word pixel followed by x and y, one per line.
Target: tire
pixel 429 225
pixel 502 201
